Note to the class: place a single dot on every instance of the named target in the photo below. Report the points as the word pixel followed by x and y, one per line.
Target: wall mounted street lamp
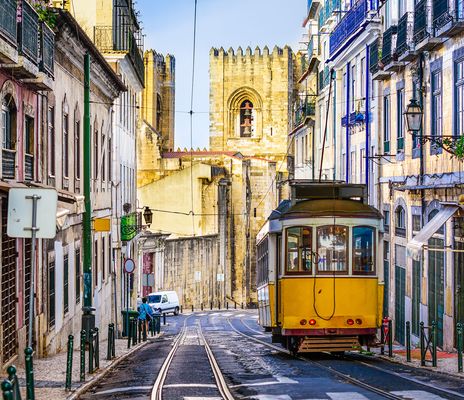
pixel 147 215
pixel 414 115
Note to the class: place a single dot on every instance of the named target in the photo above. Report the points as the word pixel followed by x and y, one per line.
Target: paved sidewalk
pixel 50 372
pixel 446 362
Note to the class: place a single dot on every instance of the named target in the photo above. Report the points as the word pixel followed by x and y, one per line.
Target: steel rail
pixel 221 382
pixel 345 377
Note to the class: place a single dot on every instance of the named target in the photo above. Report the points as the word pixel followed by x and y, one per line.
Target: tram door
pixel 436 279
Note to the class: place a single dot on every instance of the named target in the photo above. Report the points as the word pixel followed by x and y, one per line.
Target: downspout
pixel 367 108
pixel 334 118
pixel 347 130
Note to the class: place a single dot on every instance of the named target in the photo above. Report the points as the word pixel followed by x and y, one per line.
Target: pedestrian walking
pixel 145 316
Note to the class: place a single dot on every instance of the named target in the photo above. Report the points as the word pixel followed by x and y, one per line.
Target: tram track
pixel 342 375
pixel 221 384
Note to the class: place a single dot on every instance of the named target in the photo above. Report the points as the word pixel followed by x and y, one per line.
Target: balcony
pixel 8 31
pixel 404 39
pixel 111 39
pixel 313 6
pixel 389 56
pixel 448 21
pixel 327 15
pixel 356 118
pixel 353 20
pixel 313 48
pixel 28 30
pixel 306 109
pixel 324 78
pixel 47 49
pixel 424 39
pixel 375 65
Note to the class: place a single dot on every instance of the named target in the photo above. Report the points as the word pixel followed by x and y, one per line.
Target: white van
pixel 164 302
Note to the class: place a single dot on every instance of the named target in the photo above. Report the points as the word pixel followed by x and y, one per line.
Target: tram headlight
pixel 349 321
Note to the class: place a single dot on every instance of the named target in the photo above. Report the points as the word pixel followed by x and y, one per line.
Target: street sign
pixel 220 277
pixel 129 266
pixel 197 276
pixel 20 207
pixel 102 224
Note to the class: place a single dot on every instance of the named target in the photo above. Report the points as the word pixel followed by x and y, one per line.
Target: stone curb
pixel 88 385
pixel 397 360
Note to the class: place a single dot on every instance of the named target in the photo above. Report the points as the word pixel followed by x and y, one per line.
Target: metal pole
pixel 34 229
pixel 460 343
pixel 87 228
pixel 390 339
pixel 127 304
pixel 408 341
pixel 422 344
pixel 30 394
pixel 69 362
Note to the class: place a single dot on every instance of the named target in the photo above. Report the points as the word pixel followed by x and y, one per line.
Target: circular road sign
pixel 129 265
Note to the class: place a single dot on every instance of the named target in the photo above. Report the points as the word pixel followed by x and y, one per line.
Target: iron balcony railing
pixel 387 45
pixel 350 22
pixel 330 6
pixel 324 78
pixel 8 27
pixel 422 18
pixel 28 31
pixel 306 108
pixel 374 56
pixel 441 13
pixel 47 49
pixel 8 163
pixel 405 33
pixel 109 38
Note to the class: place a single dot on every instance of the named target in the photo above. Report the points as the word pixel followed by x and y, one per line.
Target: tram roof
pixel 305 189
pixel 330 207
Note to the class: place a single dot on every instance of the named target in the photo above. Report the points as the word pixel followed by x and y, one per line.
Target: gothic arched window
pixel 8 131
pixel 246 119
pixel 158 112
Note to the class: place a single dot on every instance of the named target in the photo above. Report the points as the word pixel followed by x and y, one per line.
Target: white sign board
pixel 197 276
pixel 20 213
pixel 220 277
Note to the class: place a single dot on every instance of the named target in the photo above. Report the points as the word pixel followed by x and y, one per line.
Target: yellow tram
pixel 320 281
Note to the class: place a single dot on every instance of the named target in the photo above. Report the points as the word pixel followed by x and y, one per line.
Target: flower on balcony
pixel 44 12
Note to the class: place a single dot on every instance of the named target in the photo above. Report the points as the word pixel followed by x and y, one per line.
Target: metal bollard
pixel 422 344
pixel 140 328
pixel 30 395
pixel 12 377
pixel 211 305
pixel 91 351
pixel 82 353
pixel 97 348
pixel 242 305
pixel 201 306
pixel 109 350
pixel 390 339
pixel 192 307
pixel 7 389
pixel 408 341
pixel 460 342
pixel 434 344
pixel 129 336
pixel 382 338
pixel 235 305
pixel 134 331
pixel 227 305
pixel 219 304
pixel 69 362
pixel 164 319
pixel 181 309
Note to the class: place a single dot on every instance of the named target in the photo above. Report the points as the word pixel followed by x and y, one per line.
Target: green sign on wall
pixel 128 227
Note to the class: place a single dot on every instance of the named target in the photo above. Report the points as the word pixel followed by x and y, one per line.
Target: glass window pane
pixel 299 249
pixel 363 249
pixel 332 248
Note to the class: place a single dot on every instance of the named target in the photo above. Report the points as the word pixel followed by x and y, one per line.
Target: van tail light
pixel 303 322
pixel 312 322
pixel 349 321
pixel 359 321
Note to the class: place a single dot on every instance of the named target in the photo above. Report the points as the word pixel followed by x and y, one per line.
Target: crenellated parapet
pixel 248 54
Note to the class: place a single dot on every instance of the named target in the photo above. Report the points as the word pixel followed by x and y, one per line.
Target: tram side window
pixel 263 262
pixel 299 249
pixel 363 250
pixel 332 245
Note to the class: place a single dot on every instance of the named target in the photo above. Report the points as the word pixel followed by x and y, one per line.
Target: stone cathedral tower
pixel 251 97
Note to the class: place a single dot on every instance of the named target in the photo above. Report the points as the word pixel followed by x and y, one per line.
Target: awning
pixel 415 245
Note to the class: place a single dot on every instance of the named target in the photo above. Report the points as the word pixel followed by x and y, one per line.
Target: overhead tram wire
pixel 191 111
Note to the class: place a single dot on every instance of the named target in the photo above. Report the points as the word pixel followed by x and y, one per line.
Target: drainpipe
pixel 421 134
pixel 367 107
pixel 334 118
pixel 347 130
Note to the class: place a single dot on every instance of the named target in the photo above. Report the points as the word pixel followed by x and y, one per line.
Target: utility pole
pixel 88 318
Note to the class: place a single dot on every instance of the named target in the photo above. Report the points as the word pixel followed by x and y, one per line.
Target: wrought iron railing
pixel 47 49
pixel 350 22
pixel 109 38
pixel 405 33
pixel 8 30
pixel 422 13
pixel 330 6
pixel 28 30
pixel 374 53
pixel 306 108
pixel 387 45
pixel 400 231
pixel 29 167
pixel 8 164
pixel 441 13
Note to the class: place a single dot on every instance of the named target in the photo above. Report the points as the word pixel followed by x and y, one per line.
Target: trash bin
pixel 125 314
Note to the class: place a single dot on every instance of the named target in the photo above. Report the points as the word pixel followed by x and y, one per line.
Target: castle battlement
pixel 164 63
pixel 232 55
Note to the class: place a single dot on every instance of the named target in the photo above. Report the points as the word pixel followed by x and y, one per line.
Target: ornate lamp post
pixel 414 115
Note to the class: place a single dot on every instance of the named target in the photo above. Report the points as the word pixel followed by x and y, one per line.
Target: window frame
pixel 300 247
pixel 374 251
pixel 436 90
pixel 400 231
pixel 346 271
pixel 458 86
pixel 400 121
pixel 386 124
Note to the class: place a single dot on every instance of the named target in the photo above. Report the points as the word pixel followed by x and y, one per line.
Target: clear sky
pixel 168 26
